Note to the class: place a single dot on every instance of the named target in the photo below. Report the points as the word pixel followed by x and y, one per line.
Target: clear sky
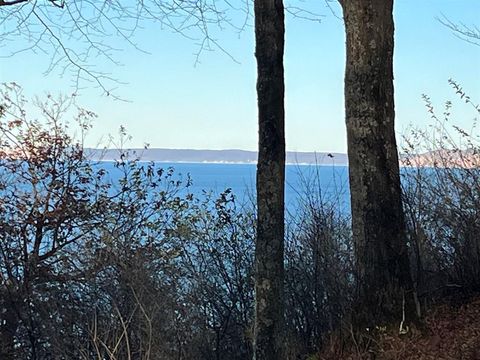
pixel 175 103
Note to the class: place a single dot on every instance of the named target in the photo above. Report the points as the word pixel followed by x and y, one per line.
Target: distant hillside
pixel 439 158
pixel 443 158
pixel 217 156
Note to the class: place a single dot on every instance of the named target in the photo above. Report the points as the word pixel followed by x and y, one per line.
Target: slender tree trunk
pixel 8 326
pixel 383 269
pixel 269 268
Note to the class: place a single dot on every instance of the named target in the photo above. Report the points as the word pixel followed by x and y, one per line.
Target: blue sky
pixel 175 103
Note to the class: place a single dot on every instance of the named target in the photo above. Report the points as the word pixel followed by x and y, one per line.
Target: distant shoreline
pixel 439 158
pixel 192 156
pixel 215 162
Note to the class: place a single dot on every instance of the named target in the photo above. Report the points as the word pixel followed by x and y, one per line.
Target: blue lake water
pixel 331 182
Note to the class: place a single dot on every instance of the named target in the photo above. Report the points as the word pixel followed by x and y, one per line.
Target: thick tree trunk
pixel 383 269
pixel 269 303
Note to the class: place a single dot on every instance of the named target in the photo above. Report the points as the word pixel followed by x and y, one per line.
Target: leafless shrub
pixel 442 202
pixel 319 263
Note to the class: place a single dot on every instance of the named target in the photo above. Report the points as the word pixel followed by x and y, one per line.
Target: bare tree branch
pixel 470 34
pixel 14 2
pixel 74 34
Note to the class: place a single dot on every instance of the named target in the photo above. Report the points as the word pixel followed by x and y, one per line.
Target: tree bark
pixel 384 282
pixel 8 326
pixel 269 267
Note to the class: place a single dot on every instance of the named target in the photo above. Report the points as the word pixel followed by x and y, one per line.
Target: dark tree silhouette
pixel 384 286
pixel 269 268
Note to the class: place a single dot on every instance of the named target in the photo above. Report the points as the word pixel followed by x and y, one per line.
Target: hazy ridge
pixel 217 156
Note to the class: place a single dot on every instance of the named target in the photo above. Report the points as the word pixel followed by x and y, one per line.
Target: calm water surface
pixel 330 182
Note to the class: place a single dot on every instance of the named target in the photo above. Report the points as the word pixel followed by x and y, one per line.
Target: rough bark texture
pixel 383 270
pixel 269 269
